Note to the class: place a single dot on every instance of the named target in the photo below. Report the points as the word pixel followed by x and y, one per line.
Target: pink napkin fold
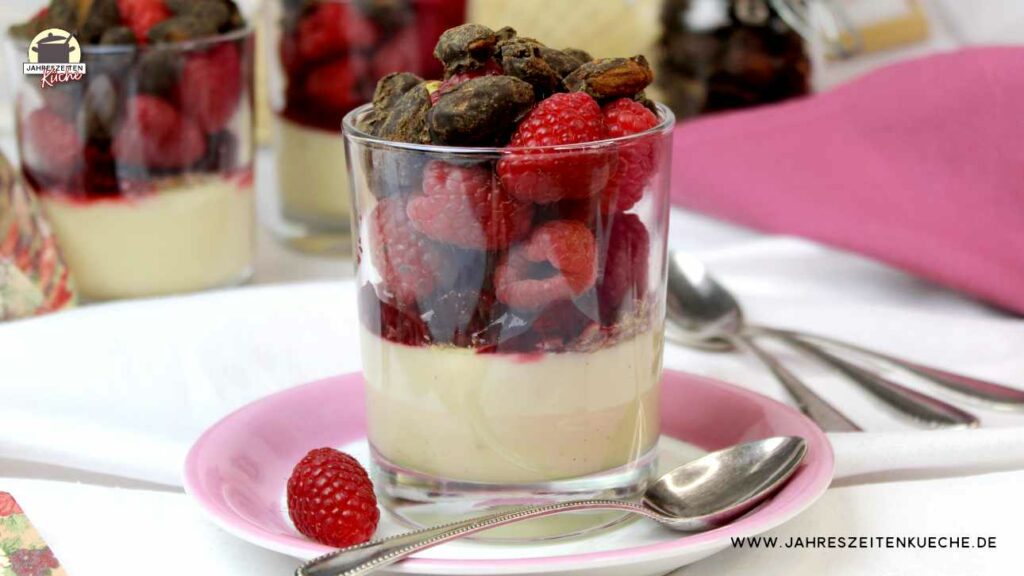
pixel 919 164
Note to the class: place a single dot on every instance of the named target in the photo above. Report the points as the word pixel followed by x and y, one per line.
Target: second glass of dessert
pixel 330 54
pixel 511 257
pixel 144 164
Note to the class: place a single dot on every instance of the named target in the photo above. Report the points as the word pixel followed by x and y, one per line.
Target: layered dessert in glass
pixel 330 54
pixel 144 164
pixel 511 256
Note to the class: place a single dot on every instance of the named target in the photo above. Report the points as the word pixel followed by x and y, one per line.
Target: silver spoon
pixel 702 494
pixel 709 316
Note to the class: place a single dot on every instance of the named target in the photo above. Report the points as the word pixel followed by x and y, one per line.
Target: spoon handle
pixel 921 407
pixel 815 407
pixel 365 558
pixel 989 394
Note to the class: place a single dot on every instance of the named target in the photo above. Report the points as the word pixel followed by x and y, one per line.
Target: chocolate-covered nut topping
pixel 465 47
pixel 480 112
pixel 523 60
pixel 562 62
pixel 407 120
pixel 608 78
pixel 389 90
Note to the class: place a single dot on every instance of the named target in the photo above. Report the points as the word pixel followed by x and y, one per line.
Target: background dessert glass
pixel 144 166
pixel 518 359
pixel 329 55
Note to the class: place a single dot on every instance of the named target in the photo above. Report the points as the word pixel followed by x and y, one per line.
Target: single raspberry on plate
pixel 491 68
pixel 155 135
pixel 331 500
pixel 333 28
pixel 336 84
pixel 624 268
pixel 51 145
pixel 407 261
pixel 557 262
pixel 543 176
pixel 466 206
pixel 141 15
pixel 637 159
pixel 211 86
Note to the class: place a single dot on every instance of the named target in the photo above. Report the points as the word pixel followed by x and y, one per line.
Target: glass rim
pixel 102 49
pixel 351 132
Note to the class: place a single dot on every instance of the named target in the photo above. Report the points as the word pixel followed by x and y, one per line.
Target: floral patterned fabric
pixel 22 550
pixel 33 277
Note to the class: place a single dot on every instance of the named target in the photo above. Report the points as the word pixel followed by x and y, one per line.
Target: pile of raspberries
pixel 539 237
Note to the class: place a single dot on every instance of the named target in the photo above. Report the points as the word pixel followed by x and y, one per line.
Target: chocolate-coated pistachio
pixel 389 89
pixel 407 120
pixel 609 78
pixel 523 60
pixel 465 47
pixel 480 112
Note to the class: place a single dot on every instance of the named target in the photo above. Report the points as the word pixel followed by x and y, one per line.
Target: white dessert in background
pixel 512 418
pixel 189 236
pixel 312 177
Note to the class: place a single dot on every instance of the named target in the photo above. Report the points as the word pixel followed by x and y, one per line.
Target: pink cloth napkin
pixel 919 164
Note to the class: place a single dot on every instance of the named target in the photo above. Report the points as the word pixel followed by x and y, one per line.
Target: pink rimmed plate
pixel 237 472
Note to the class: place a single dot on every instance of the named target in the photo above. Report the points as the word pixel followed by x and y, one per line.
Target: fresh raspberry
pixel 466 207
pixel 141 15
pixel 155 135
pixel 333 28
pixel 625 265
pixel 331 500
pixel 211 86
pixel 524 279
pixel 33 562
pixel 51 145
pixel 491 68
pixel 543 176
pixel 336 84
pixel 407 261
pixel 637 159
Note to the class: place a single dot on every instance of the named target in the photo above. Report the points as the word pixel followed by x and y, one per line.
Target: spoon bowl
pixel 717 488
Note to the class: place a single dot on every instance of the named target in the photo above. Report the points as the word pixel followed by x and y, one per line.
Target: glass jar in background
pixel 516 359
pixel 329 55
pixel 717 55
pixel 144 166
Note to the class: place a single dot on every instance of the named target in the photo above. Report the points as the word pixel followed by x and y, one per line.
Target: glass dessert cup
pixel 329 55
pixel 145 165
pixel 511 350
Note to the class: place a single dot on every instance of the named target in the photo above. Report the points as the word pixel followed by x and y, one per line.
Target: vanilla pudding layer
pixel 508 418
pixel 194 235
pixel 312 177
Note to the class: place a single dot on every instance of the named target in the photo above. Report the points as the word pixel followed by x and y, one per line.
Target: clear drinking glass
pixel 518 359
pixel 144 166
pixel 329 55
